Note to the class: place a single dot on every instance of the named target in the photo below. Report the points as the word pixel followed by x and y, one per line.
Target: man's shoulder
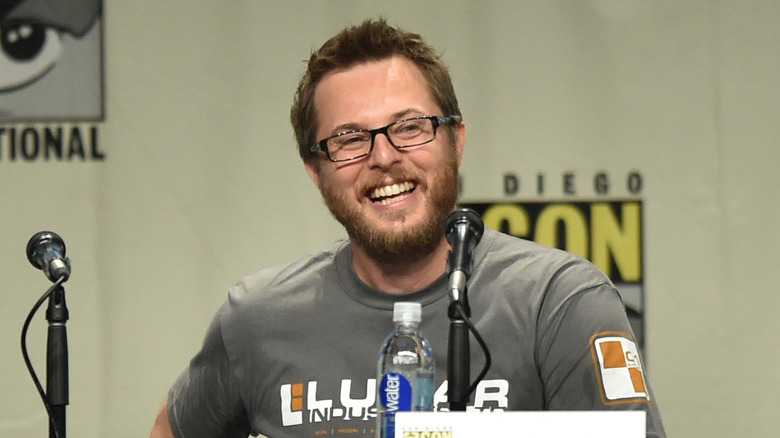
pixel 294 275
pixel 505 245
pixel 533 258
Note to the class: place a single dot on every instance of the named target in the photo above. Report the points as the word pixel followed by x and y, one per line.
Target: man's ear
pixel 460 144
pixel 312 168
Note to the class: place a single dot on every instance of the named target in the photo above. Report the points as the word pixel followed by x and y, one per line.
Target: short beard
pixel 406 246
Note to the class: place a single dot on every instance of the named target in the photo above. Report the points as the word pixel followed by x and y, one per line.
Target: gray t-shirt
pixel 293 351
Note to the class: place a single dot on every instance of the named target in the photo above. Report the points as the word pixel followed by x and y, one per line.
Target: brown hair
pixel 369 41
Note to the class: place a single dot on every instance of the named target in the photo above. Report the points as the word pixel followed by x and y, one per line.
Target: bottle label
pixel 395 395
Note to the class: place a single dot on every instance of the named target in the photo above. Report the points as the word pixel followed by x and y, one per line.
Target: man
pixel 293 351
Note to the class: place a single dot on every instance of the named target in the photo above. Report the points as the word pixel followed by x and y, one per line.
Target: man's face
pixel 394 202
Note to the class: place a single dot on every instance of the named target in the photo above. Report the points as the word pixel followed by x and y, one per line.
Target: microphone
pixel 463 229
pixel 46 251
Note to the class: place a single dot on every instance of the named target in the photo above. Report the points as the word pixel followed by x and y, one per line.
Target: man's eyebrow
pixel 346 127
pixel 408 113
pixel 398 115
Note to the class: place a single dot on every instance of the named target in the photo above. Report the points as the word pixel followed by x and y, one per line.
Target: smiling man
pixel 392 189
pixel 293 351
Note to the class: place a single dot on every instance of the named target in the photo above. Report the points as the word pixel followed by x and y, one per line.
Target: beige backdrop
pixel 201 183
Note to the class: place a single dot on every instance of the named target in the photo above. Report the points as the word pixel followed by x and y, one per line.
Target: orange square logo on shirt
pixel 617 364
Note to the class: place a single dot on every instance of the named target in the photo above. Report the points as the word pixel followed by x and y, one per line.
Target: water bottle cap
pixel 407 312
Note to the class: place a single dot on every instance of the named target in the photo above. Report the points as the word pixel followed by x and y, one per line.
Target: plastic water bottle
pixel 405 371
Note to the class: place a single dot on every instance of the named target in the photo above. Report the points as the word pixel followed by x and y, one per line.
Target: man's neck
pixel 403 276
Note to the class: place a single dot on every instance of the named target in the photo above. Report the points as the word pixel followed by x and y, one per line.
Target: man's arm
pixel 162 427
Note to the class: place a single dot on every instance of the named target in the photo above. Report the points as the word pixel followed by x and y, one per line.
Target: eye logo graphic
pixel 51 63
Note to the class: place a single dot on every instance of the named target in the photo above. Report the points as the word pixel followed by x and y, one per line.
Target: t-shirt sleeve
pixel 587 355
pixel 204 400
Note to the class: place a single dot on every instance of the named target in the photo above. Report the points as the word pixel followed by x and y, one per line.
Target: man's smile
pixel 389 194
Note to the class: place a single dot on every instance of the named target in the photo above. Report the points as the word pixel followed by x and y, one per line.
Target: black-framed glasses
pixel 358 143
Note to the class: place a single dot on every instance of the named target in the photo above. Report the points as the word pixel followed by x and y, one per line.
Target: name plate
pixel 521 424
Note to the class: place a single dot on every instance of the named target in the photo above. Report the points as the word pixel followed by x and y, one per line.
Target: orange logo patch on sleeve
pixel 617 364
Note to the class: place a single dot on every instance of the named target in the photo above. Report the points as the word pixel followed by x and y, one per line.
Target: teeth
pixel 390 191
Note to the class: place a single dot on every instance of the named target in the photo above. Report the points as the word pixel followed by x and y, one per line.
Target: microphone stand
pixel 458 356
pixel 463 229
pixel 57 362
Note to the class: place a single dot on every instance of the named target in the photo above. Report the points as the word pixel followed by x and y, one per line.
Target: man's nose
pixel 383 154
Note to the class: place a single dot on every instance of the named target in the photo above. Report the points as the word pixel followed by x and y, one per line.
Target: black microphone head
pixel 46 251
pixel 464 216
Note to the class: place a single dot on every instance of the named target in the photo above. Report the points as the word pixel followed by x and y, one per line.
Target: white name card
pixel 521 424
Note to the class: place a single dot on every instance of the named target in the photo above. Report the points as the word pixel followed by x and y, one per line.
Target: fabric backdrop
pixel 178 175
